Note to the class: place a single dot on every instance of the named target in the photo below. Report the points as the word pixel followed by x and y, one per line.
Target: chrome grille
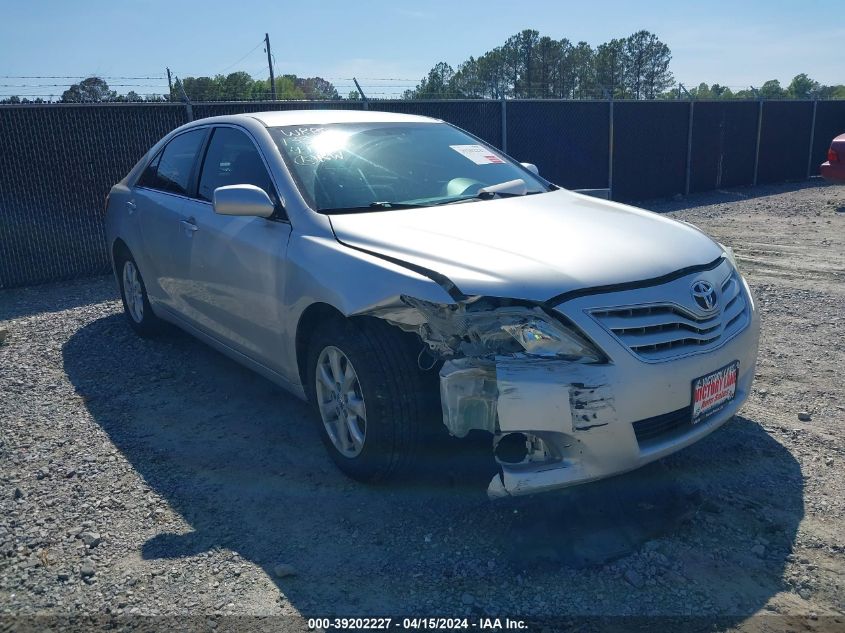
pixel 662 331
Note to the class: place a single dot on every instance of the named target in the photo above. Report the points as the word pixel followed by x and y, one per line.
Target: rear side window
pixel 148 178
pixel 232 159
pixel 171 169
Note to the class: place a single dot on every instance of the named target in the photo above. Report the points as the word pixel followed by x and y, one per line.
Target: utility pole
pixel 170 85
pixel 270 64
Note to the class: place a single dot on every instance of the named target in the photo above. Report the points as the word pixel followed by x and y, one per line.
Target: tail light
pixel 832 155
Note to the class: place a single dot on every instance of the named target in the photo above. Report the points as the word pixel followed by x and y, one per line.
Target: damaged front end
pixel 518 372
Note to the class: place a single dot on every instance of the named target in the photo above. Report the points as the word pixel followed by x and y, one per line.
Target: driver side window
pixel 232 159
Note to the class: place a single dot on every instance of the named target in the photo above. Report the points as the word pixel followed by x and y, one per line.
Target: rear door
pixel 159 198
pixel 237 264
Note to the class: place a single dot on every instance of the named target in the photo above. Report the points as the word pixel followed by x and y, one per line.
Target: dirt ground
pixel 157 477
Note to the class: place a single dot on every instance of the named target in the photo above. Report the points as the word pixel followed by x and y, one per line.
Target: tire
pixel 136 303
pixel 397 399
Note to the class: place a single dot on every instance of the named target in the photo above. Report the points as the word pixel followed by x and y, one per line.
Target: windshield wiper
pixel 373 206
pixel 510 189
pixel 394 205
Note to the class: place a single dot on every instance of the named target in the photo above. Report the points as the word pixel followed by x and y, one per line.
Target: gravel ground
pixel 158 477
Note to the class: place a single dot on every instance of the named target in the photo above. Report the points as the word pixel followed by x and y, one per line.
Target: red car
pixel 834 168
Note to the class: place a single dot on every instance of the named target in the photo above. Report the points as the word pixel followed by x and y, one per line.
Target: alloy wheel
pixel 132 291
pixel 341 402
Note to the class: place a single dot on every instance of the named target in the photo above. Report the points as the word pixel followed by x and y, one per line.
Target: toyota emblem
pixel 705 295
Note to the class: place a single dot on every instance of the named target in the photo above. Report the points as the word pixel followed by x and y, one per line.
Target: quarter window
pixel 171 169
pixel 148 178
pixel 232 159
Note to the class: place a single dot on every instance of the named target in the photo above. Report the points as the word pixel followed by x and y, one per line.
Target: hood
pixel 533 247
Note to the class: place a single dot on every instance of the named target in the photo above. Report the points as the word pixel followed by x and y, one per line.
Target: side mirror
pixel 245 200
pixel 532 168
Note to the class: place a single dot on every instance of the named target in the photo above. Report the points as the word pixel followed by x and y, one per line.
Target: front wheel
pixel 136 303
pixel 372 401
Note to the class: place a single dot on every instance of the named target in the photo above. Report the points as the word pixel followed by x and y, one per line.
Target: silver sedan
pixel 405 277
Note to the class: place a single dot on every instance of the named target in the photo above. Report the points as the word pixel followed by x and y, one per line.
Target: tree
pixel 90 90
pixel 647 65
pixel 831 92
pixel 529 65
pixel 746 94
pixel 467 81
pixel 240 86
pixel 235 86
pixel 286 88
pixel 610 67
pixel 317 88
pixel 437 84
pixel 491 71
pixel 703 91
pixel 522 49
pixel 548 52
pixel 583 63
pixel 721 92
pixel 563 79
pixel 200 89
pixel 802 87
pixel 772 90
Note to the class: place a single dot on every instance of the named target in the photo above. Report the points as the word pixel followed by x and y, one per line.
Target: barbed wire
pixel 382 88
pixel 371 79
pixel 83 76
pixel 66 85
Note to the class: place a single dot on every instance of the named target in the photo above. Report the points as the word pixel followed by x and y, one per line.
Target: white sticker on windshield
pixel 478 154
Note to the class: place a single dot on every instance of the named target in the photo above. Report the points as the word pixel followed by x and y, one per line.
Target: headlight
pixel 545 338
pixel 729 253
pixel 479 329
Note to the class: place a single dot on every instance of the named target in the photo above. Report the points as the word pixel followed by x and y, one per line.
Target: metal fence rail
pixel 58 161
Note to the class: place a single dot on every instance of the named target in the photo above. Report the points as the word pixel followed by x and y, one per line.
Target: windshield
pixel 348 167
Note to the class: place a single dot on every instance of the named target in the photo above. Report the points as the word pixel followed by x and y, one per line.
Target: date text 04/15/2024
pixel 418 623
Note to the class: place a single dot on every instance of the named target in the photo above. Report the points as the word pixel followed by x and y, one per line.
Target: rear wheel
pixel 136 303
pixel 372 401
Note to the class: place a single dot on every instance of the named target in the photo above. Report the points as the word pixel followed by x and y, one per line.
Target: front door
pixel 237 264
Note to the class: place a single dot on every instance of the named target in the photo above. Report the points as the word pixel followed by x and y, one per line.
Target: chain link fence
pixel 58 162
pixel 567 140
pixel 724 141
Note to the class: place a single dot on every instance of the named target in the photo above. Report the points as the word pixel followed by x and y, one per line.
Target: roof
pixel 324 117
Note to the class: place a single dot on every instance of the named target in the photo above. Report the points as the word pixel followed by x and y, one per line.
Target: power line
pixel 242 58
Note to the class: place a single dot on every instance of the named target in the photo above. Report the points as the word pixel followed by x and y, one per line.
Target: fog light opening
pixel 512 448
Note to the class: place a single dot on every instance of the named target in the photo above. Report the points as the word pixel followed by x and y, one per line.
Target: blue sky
pixel 736 43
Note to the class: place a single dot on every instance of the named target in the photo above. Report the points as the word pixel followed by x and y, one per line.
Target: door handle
pixel 131 206
pixel 189 226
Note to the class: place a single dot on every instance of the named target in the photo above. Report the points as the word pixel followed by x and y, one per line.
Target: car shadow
pixel 241 462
